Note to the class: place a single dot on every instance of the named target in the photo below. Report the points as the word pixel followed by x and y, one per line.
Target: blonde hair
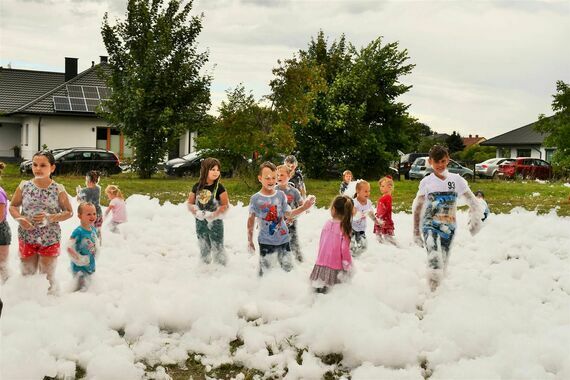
pixel 347 172
pixel 385 179
pixel 114 190
pixel 360 185
pixel 286 168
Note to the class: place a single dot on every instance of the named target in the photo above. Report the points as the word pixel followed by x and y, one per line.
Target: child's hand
pixel 346 266
pixel 418 240
pixel 25 223
pixel 209 216
pixel 474 226
pixel 310 201
pixel 200 215
pixel 76 258
pixel 251 248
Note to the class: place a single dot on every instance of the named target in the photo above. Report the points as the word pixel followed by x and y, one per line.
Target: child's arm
pixel 307 204
pixel 417 211
pixel 65 206
pixel 75 257
pixel 250 224
pixel 14 209
pixel 345 254
pixel 108 210
pixel 475 222
pixel 191 203
pixel 2 209
pixel 224 204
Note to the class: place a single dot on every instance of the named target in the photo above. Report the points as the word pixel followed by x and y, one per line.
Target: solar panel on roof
pixel 61 103
pixel 90 92
pixel 92 104
pixel 104 92
pixel 78 104
pixel 74 91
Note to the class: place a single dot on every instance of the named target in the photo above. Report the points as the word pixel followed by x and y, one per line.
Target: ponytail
pixel 343 208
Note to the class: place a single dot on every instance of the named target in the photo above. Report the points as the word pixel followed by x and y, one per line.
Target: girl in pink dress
pixel 334 260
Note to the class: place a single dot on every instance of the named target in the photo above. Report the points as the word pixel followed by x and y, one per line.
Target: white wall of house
pixel 9 137
pixel 526 151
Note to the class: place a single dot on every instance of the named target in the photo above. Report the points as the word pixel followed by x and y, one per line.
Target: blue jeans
pixel 266 255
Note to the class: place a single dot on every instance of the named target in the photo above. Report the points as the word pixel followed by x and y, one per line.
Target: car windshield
pixel 191 156
pixel 490 161
pixel 61 154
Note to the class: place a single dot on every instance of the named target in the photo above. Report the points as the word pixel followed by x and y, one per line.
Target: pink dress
pixel 334 254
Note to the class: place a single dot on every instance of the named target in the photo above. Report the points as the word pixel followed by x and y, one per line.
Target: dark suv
pixel 80 161
pixel 406 162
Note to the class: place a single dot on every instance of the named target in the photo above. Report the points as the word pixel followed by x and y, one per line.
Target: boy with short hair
pixel 435 206
pixel 294 199
pixel 270 207
pixel 82 246
pixel 297 177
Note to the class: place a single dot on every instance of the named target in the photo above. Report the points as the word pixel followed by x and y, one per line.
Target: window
pixel 523 152
pixel 548 154
pixel 505 152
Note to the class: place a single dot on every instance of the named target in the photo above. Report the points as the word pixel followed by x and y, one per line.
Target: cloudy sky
pixel 482 67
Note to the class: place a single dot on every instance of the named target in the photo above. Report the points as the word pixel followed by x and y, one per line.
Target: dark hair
pixel 2 166
pixel 479 192
pixel 205 166
pixel 93 176
pixel 82 205
pixel 343 206
pixel 438 152
pixel 47 154
pixel 291 159
pixel 269 165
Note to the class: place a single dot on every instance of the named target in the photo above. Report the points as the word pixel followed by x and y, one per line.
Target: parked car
pixel 421 168
pixel 189 165
pixel 525 167
pixel 80 161
pixel 489 168
pixel 406 163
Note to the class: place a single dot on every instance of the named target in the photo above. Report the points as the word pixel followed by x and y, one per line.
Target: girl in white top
pixel 363 209
pixel 117 206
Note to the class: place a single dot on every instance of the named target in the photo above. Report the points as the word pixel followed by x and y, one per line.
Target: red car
pixel 525 167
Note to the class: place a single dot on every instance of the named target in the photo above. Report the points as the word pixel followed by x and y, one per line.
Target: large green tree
pixel 454 143
pixel 558 126
pixel 342 104
pixel 158 89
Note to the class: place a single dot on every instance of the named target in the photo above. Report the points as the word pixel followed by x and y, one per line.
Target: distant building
pixel 522 142
pixel 473 140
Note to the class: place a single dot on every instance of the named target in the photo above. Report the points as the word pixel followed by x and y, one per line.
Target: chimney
pixel 103 59
pixel 470 136
pixel 476 136
pixel 70 68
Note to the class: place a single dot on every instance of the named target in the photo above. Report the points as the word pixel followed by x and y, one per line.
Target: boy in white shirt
pixel 436 205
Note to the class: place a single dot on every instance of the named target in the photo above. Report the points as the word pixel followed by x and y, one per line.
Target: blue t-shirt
pixel 85 245
pixel 270 211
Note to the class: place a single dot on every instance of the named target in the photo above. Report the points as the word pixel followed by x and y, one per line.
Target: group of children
pixel 38 205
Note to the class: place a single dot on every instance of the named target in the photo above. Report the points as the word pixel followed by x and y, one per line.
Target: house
pixel 41 109
pixel 473 140
pixel 522 142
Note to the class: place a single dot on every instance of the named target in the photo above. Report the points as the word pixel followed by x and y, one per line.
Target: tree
pixel 158 92
pixel 244 127
pixel 454 143
pixel 558 126
pixel 341 104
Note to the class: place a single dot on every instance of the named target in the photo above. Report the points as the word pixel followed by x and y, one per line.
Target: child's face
pixel 282 177
pixel 347 177
pixel 268 178
pixel 386 187
pixel 213 173
pixel 41 167
pixel 439 166
pixel 88 215
pixel 109 194
pixel 291 166
pixel 364 192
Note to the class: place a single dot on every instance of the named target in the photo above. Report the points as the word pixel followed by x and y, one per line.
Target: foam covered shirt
pixel 85 245
pixel 270 212
pixel 362 211
pixel 441 202
pixel 4 201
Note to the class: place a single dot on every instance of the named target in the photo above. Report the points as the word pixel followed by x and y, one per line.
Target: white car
pixel 489 168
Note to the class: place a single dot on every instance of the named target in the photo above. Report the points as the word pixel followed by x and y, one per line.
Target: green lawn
pixel 502 196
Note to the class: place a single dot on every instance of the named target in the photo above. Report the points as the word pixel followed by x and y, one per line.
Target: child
pixel 82 246
pixel 271 208
pixel 481 197
pixel 294 200
pixel 5 233
pixel 384 229
pixel 92 194
pixel 297 178
pixel 346 179
pixel 212 202
pixel 117 206
pixel 334 259
pixel 363 208
pixel 38 205
pixel 437 198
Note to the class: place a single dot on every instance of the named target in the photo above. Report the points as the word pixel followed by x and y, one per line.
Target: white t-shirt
pixel 362 211
pixel 453 183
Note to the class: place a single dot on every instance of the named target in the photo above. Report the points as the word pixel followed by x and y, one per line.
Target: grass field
pixel 502 196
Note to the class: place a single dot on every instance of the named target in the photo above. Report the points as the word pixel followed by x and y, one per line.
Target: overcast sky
pixel 481 67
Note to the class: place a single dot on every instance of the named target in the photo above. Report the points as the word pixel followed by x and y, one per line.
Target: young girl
pixel 207 201
pixel 5 234
pixel 38 205
pixel 346 179
pixel 384 228
pixel 117 206
pixel 294 200
pixel 363 208
pixel 334 259
pixel 92 194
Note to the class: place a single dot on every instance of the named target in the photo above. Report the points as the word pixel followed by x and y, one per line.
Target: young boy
pixel 297 177
pixel 346 179
pixel 270 207
pixel 481 197
pixel 82 246
pixel 437 198
pixel 294 200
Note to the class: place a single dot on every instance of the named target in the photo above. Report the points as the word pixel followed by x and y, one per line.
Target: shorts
pixel 282 254
pixel 28 250
pixel 5 233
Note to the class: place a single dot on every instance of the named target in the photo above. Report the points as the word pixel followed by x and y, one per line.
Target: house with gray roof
pixel 58 110
pixel 521 142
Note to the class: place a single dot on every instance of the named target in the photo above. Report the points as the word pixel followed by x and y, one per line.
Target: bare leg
pixel 29 265
pixel 4 249
pixel 47 265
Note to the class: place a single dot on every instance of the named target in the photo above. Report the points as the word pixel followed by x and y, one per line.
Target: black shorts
pixel 5 233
